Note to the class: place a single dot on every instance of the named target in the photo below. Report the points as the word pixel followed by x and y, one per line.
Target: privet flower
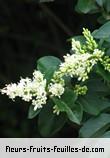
pixel 56 89
pixel 82 61
pixel 56 110
pixel 76 47
pixel 106 63
pixel 98 54
pixel 77 65
pixel 80 90
pixel 80 65
pixel 90 42
pixel 33 90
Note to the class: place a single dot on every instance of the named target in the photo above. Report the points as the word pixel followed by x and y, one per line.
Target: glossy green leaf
pixel 90 104
pixel 95 126
pixel 106 135
pixel 101 19
pixel 74 115
pixel 86 6
pixel 107 5
pixel 94 104
pixel 97 85
pixel 78 111
pixel 103 31
pixel 49 123
pixel 69 97
pixel 105 74
pixel 79 38
pixel 48 65
pixel 100 2
pixel 32 113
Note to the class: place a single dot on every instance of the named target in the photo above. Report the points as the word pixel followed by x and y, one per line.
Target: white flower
pixel 76 65
pixel 38 76
pixel 10 90
pixel 76 47
pixel 56 110
pixel 98 53
pixel 56 89
pixel 39 101
pixel 80 65
pixel 33 90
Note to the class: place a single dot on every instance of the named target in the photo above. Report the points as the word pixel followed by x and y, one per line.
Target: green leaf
pixel 106 135
pixel 101 19
pixel 100 2
pixel 100 89
pixel 49 123
pixel 62 106
pixel 101 71
pixel 32 113
pixel 104 104
pixel 79 38
pixel 48 65
pixel 94 104
pixel 107 6
pixel 86 6
pixel 103 31
pixel 78 111
pixel 69 97
pixel 95 126
pixel 74 115
pixel 90 104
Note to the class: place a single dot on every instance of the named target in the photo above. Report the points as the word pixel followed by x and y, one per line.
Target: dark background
pixel 28 31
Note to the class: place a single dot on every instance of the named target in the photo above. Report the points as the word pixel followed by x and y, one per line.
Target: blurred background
pixel 29 30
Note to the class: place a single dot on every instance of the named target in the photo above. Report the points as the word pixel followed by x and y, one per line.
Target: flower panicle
pixel 78 65
pixel 90 42
pixel 33 90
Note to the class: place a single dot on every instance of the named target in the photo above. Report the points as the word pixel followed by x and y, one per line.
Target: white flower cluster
pixel 75 65
pixel 56 89
pixel 33 90
pixel 76 47
pixel 90 42
pixel 79 65
pixel 98 54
